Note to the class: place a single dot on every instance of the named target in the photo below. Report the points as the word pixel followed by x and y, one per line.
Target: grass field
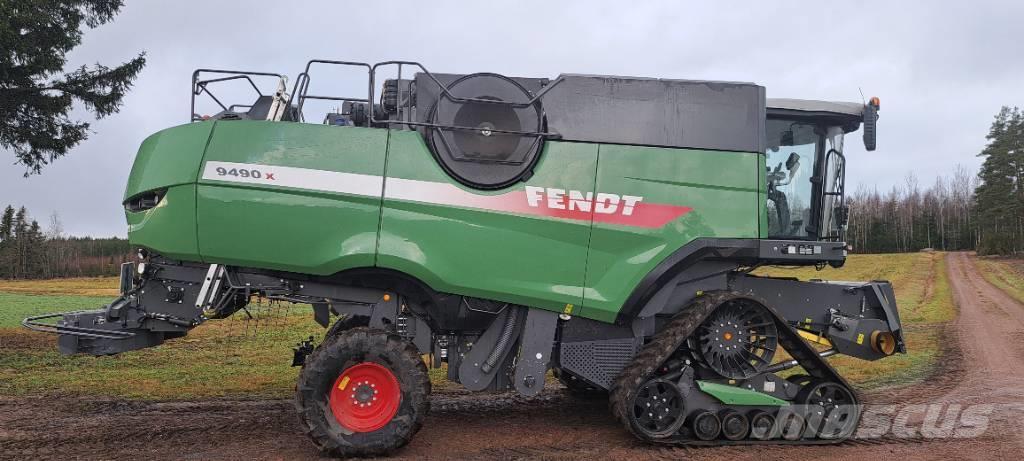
pixel 239 357
pixel 1005 273
pixel 925 303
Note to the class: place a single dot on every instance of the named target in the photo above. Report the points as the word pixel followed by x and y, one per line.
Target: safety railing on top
pixel 300 93
pixel 200 86
pixel 301 89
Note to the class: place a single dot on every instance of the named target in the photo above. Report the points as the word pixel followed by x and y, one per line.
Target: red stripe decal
pixel 603 208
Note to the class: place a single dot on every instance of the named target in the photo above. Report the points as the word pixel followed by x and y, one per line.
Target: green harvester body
pixel 604 229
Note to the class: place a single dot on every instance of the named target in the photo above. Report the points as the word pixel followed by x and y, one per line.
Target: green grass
pixel 16 306
pixel 223 358
pixel 925 303
pixel 79 286
pixel 240 358
pixel 1005 273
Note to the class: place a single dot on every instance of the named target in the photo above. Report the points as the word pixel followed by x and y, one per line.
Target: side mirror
pixel 871 123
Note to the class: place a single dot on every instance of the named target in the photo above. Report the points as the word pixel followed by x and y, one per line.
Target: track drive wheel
pixel 362 392
pixel 738 340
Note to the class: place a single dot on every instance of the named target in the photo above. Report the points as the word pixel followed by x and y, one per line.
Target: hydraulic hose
pixel 503 341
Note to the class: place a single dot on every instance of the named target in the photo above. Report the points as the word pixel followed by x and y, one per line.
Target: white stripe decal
pixel 533 201
pixel 428 192
pixel 300 178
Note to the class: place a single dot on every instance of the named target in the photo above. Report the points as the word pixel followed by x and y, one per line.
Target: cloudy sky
pixel 941 69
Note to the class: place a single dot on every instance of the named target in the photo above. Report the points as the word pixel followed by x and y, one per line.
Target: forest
pixel 29 252
pixel 963 211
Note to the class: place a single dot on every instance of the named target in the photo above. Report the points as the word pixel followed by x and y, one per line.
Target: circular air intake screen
pixel 485 157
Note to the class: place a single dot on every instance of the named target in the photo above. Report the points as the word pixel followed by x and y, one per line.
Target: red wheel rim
pixel 365 397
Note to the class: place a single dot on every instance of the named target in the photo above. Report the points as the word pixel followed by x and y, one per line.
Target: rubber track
pixel 672 337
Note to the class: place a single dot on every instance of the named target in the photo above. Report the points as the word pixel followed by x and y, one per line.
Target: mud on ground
pixel 984 365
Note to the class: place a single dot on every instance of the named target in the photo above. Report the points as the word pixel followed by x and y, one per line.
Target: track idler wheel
pixel 831 409
pixel 362 392
pixel 657 410
pixel 706 426
pixel 735 425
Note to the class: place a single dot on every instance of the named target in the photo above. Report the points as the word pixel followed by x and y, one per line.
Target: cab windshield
pixel 790 161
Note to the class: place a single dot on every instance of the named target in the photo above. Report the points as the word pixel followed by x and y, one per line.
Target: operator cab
pixel 805 166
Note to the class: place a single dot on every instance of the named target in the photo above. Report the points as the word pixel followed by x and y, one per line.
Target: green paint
pixel 170 227
pixel 532 260
pixel 732 395
pixel 294 230
pixel 527 260
pixel 762 197
pixel 168 158
pixel 721 187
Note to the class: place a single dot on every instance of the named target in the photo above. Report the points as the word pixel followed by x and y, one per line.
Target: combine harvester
pixel 601 227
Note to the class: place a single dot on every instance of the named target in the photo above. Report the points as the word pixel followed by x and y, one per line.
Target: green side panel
pixel 303 228
pixel 170 227
pixel 169 157
pixel 762 196
pixel 732 395
pixel 721 188
pixel 503 255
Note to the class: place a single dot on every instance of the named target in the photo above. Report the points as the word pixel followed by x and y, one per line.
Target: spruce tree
pixel 36 94
pixel 999 198
pixel 7 242
pixel 35 252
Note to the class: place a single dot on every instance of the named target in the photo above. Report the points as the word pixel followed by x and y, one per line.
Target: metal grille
pixel 597 361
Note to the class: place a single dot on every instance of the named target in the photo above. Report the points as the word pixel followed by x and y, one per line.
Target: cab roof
pixel 847 114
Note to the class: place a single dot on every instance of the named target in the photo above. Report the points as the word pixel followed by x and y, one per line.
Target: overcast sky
pixel 941 69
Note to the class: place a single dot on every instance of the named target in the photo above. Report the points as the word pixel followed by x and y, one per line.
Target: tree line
pixel 960 211
pixel 908 217
pixel 29 252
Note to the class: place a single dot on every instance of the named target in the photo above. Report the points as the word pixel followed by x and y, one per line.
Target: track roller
pixel 791 425
pixel 735 425
pixel 762 424
pixel 706 425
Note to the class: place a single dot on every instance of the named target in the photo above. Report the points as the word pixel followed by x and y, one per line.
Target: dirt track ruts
pixel 984 365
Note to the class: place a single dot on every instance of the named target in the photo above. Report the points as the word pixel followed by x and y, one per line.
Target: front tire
pixel 362 392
